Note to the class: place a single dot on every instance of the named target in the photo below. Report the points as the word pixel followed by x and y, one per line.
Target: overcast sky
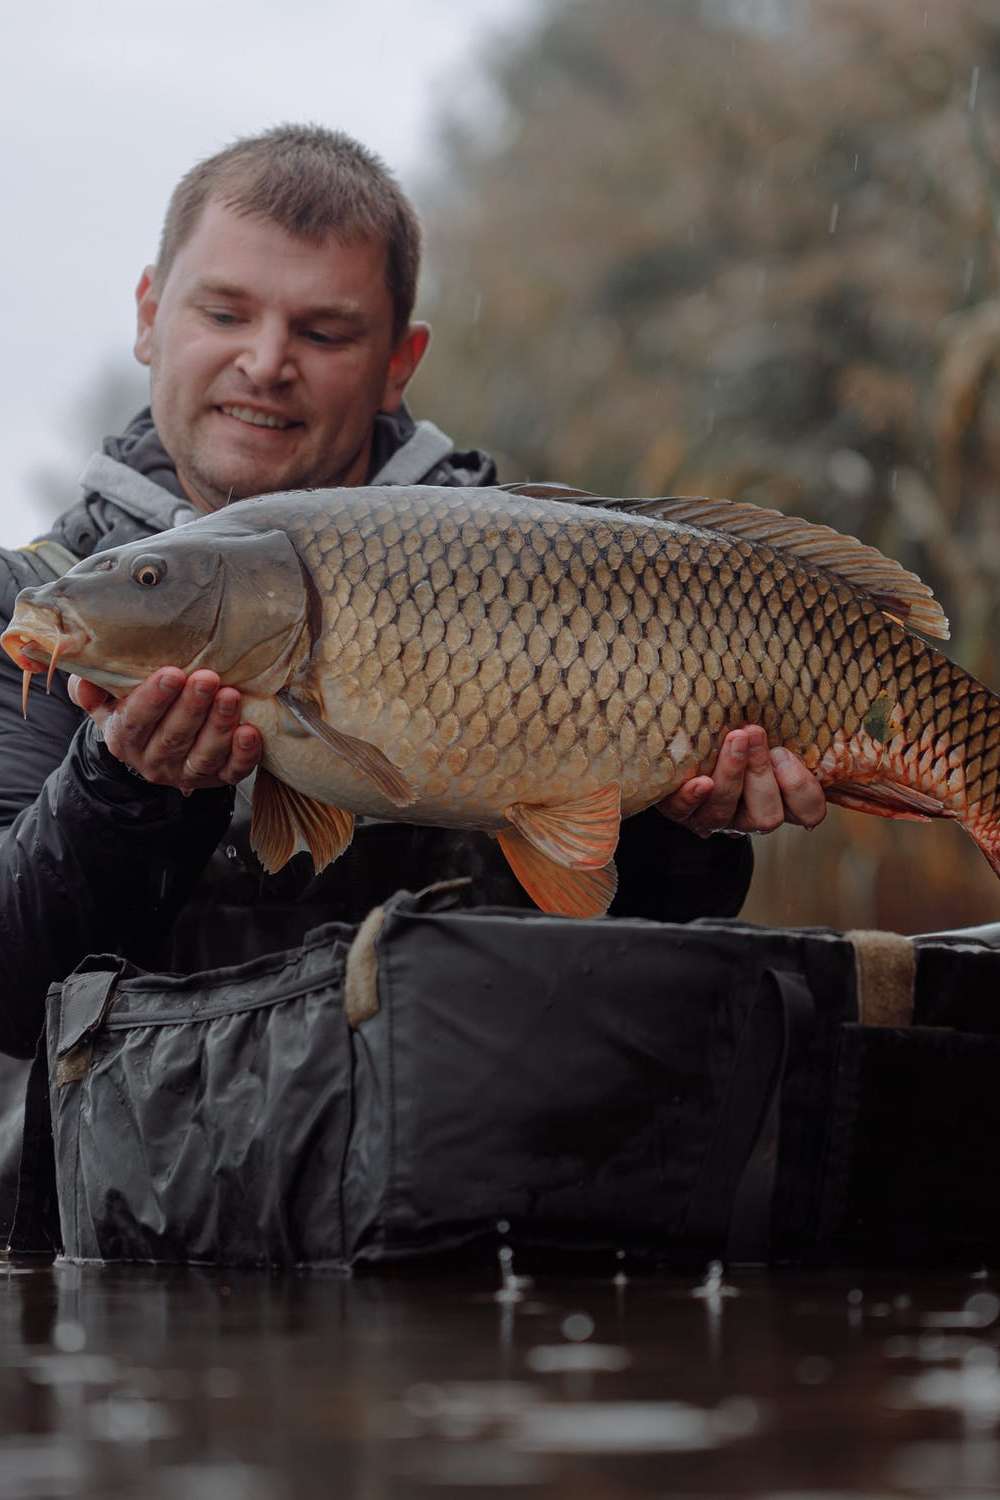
pixel 104 105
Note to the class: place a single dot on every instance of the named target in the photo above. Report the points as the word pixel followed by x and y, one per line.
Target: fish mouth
pixel 41 642
pixel 37 640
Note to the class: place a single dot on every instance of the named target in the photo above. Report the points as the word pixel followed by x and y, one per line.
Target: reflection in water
pixel 173 1383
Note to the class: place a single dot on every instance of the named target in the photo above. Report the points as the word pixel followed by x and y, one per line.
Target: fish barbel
pixel 534 667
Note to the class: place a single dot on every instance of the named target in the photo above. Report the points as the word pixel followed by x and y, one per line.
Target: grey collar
pixel 421 453
pixel 160 510
pixel 139 496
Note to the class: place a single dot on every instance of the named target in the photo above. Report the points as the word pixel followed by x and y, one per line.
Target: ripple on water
pixel 554 1359
pixel 633 1426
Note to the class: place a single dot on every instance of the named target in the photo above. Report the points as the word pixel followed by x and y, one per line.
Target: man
pixel 277 328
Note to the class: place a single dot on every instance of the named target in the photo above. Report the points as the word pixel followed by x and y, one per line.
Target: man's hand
pixel 751 790
pixel 173 730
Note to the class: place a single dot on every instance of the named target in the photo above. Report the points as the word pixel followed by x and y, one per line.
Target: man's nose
pixel 265 358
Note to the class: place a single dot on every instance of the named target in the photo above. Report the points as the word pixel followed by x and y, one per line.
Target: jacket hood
pixel 139 447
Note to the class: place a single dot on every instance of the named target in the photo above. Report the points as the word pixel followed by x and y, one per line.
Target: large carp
pixel 534 667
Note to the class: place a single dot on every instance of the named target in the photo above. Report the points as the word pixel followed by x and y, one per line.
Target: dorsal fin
pixel 896 591
pixel 546 489
pixel 887 583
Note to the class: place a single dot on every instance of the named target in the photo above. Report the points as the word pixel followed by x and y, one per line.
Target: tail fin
pixel 986 833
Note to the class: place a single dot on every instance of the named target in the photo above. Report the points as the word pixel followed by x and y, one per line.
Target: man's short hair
pixel 313 183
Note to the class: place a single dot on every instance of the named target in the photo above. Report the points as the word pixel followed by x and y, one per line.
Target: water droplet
pixel 577 1327
pixel 983 1308
pixel 69 1337
pixel 714 1286
pixel 512 1288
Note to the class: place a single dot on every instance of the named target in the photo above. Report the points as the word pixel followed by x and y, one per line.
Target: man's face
pixel 270 357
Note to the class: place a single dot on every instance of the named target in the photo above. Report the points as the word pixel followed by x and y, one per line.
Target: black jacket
pixel 92 859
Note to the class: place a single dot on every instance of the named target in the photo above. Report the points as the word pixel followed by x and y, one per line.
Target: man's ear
pixel 403 362
pixel 146 303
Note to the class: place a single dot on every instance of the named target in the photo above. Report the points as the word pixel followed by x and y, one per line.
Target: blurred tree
pixel 749 247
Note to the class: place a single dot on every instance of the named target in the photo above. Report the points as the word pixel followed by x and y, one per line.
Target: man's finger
pixel 209 753
pixel 136 718
pixel 87 695
pixel 719 809
pixel 761 809
pixel 133 720
pixel 680 805
pixel 803 797
pixel 247 749
pixel 169 738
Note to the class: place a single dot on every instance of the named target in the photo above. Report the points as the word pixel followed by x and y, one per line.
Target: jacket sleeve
pixel 669 874
pixel 92 859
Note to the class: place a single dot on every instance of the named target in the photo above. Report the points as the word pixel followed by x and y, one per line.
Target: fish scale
pixel 535 667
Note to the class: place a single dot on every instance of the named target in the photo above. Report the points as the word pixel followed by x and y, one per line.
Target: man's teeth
pixel 255 418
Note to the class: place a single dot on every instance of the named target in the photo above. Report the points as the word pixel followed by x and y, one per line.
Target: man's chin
pixel 223 486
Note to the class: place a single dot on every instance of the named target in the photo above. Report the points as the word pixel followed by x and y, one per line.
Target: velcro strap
pixel 885 965
pixel 361 970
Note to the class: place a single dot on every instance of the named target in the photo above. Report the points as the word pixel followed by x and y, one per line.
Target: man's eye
pixel 324 340
pixel 221 319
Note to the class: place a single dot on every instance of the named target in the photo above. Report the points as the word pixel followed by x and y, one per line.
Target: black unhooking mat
pixel 388 1093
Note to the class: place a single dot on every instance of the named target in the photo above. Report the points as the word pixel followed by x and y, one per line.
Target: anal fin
pixel 887 799
pixel 284 821
pixel 582 834
pixel 362 756
pixel 553 887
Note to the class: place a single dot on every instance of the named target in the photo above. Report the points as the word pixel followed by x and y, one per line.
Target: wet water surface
pixel 185 1385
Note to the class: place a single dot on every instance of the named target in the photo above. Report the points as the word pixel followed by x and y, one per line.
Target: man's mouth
pixel 255 418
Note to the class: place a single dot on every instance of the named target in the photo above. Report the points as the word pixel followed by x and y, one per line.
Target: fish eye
pixel 149 571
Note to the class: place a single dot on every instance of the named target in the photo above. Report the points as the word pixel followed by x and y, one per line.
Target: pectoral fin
pixel 284 821
pixel 887 799
pixel 582 834
pixel 364 758
pixel 553 887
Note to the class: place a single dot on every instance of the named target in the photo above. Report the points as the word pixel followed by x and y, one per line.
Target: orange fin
pixel 582 834
pixel 552 887
pixel 887 799
pixel 284 821
pixel 364 758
